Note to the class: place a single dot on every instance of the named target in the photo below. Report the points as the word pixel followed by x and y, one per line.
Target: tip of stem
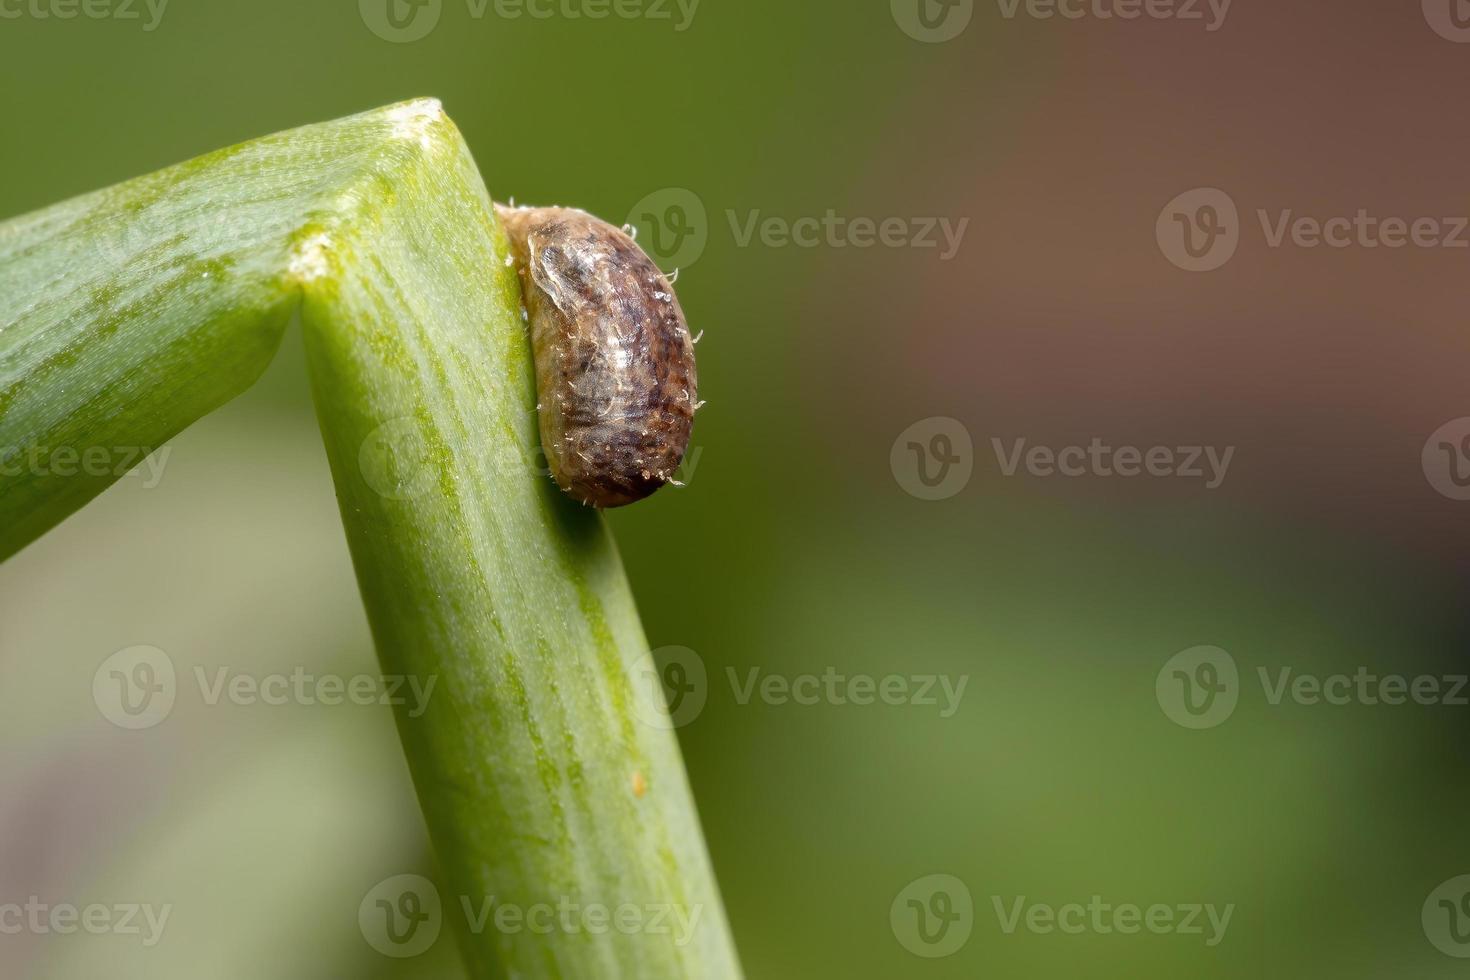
pixel 415 121
pixel 309 257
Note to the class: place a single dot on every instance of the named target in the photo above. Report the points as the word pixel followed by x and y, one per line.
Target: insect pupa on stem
pixel 615 375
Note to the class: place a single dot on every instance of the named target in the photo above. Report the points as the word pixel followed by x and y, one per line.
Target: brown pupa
pixel 615 375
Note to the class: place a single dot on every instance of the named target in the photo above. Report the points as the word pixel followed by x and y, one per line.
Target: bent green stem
pixel 544 760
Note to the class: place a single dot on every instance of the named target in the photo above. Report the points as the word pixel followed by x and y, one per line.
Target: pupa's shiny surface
pixel 615 375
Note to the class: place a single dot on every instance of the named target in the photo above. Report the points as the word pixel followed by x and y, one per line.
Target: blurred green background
pixel 796 546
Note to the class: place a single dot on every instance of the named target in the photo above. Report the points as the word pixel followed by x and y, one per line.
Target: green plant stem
pixel 546 769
